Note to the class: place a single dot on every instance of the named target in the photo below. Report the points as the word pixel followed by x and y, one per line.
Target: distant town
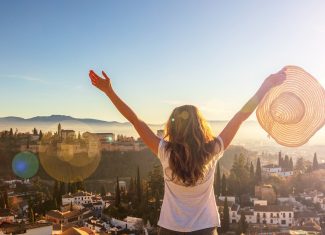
pixel 260 196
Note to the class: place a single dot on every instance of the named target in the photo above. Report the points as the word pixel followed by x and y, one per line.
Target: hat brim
pixel 294 111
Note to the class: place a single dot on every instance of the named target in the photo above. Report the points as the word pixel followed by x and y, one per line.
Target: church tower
pixel 59 129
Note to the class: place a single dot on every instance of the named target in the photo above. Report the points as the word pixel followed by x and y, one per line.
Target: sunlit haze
pixel 213 54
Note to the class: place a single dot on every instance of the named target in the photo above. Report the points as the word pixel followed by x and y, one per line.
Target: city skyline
pixel 172 53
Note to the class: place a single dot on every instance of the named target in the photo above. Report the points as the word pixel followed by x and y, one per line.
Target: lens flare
pixel 25 165
pixel 70 157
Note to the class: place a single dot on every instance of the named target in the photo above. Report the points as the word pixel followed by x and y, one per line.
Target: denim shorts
pixel 206 231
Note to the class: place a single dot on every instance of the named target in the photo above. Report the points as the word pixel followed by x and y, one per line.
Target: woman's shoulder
pixel 163 152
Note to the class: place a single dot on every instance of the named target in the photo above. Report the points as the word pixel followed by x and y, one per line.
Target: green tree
pixel 301 165
pixel 258 172
pixel 31 215
pixel 280 161
pixel 224 185
pixel 2 202
pixel 238 181
pixel 315 162
pixel 225 217
pixel 291 164
pixel 217 182
pixel 138 189
pixel 252 179
pixel 102 191
pixel 286 162
pixel 117 194
pixel 242 225
pixel 35 132
pixel 40 135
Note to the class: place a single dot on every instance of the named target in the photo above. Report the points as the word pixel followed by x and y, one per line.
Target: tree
pixel 291 164
pixel 102 191
pixel 280 161
pixel 315 162
pixel 40 135
pixel 31 214
pixel 242 225
pixel 4 200
pixel 238 181
pixel 300 165
pixel 35 131
pixel 251 172
pixel 258 172
pixel 224 185
pixel 286 162
pixel 138 184
pixel 225 217
pixel 117 194
pixel 252 179
pixel 11 133
pixel 217 182
pixel 28 141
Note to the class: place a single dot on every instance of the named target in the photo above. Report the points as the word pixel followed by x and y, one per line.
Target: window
pixel 271 214
pixel 277 215
pixel 283 221
pixel 264 215
pixel 271 221
pixel 289 215
pixel 284 215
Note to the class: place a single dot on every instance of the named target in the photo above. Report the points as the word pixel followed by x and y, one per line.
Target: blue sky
pixel 159 54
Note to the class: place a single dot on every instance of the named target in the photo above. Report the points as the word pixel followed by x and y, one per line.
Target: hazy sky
pixel 159 54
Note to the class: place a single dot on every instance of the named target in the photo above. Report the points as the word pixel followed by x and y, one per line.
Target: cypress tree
pixel 251 172
pixel 224 185
pixel 225 218
pixel 258 172
pixel 102 191
pixel 71 207
pixel 280 159
pixel 291 164
pixel 286 162
pixel 40 135
pixel 117 194
pixel 252 179
pixel 6 199
pixel 2 202
pixel 139 193
pixel 315 162
pixel 218 181
pixel 55 191
pixel 242 225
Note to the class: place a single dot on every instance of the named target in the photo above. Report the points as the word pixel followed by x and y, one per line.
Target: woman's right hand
pixel 103 84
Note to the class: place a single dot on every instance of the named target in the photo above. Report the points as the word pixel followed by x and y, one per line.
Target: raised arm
pixel 146 134
pixel 233 125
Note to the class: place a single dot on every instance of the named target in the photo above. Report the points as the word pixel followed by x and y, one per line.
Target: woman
pixel 188 153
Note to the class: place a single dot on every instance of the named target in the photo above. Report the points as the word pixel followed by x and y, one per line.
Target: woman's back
pixel 191 208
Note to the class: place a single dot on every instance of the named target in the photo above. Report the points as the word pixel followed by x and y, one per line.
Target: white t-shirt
pixel 192 208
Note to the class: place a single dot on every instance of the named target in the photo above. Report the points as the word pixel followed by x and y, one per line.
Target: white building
pixel 274 214
pixel 272 169
pixel 78 198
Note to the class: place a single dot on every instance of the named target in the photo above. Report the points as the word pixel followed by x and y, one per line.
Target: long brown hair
pixel 190 140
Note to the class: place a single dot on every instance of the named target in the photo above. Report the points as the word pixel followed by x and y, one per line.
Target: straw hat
pixel 292 112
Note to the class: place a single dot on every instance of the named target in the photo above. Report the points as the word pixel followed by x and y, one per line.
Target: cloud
pixel 22 77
